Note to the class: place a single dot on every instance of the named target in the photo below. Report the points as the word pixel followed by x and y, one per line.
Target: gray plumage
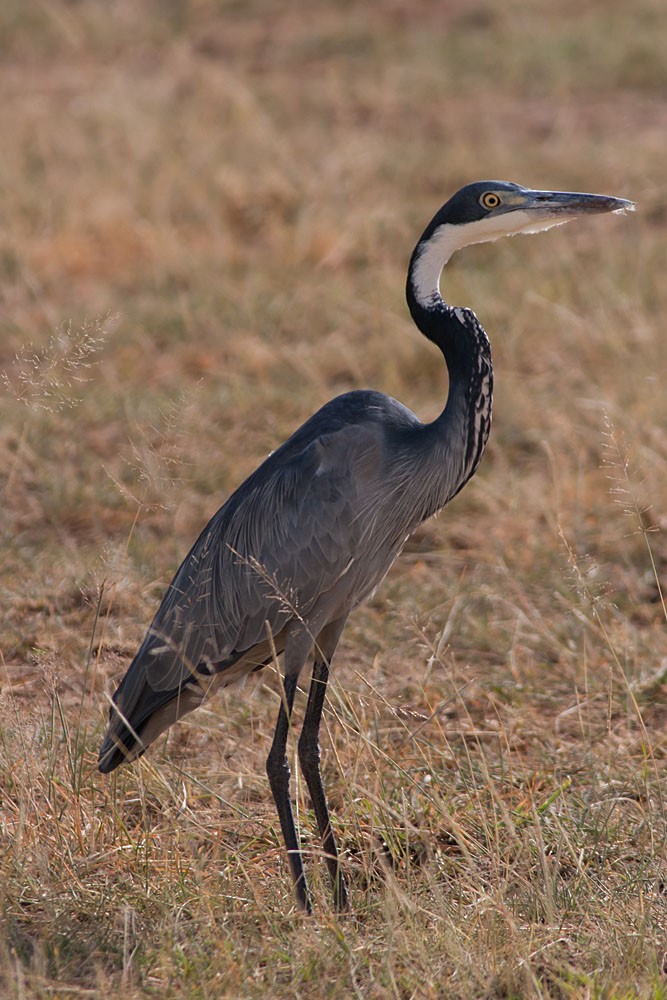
pixel 312 532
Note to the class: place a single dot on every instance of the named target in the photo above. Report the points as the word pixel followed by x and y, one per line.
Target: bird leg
pixel 278 771
pixel 309 758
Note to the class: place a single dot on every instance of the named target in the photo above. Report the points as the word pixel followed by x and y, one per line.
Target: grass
pixel 207 212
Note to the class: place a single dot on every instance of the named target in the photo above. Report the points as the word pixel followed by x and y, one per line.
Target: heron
pixel 312 532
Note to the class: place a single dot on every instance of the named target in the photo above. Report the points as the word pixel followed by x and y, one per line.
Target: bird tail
pixel 139 714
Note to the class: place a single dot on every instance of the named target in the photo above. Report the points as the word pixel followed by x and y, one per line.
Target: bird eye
pixel 490 200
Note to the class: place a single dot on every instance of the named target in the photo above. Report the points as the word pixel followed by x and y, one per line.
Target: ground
pixel 207 210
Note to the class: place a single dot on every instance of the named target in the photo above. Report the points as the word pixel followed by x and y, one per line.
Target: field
pixel 207 211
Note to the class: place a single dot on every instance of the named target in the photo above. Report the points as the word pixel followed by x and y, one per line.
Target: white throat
pixel 448 238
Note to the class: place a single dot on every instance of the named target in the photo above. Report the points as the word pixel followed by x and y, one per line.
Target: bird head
pixel 487 210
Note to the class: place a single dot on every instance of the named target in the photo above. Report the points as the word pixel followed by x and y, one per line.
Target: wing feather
pixel 265 558
pixel 282 549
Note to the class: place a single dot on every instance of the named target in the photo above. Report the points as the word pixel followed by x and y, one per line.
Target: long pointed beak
pixel 568 204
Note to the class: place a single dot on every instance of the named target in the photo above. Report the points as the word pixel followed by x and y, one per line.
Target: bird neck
pixel 462 429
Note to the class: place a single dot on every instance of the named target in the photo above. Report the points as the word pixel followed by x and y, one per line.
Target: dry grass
pixel 207 211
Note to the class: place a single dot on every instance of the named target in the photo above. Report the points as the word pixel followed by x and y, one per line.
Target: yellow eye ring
pixel 490 200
